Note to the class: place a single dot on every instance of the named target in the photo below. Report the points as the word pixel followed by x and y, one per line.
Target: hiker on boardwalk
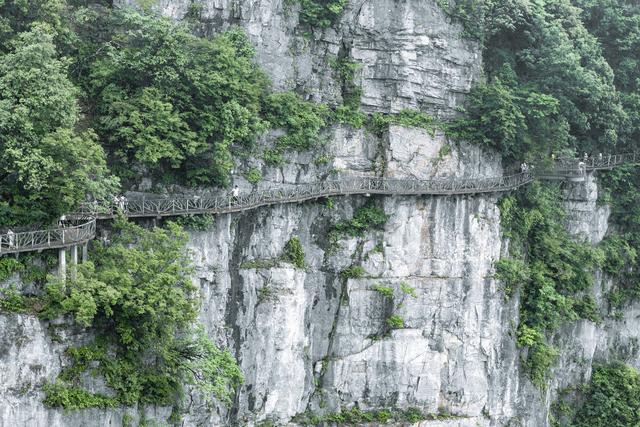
pixel 11 238
pixel 120 202
pixel 582 168
pixel 235 193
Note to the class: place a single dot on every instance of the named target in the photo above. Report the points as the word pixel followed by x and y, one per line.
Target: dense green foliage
pixel 321 13
pixel 550 83
pixel 395 321
pixel 385 291
pixel 621 256
pixel 610 399
pixel 294 252
pixel 562 77
pixel 62 396
pixel 46 165
pixel 81 87
pixel 170 102
pixel 253 175
pixel 302 120
pixel 551 270
pixel 353 272
pixel 356 416
pixel 201 222
pixel 368 217
pixel 138 298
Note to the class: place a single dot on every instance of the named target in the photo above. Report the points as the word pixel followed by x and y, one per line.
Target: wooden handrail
pixel 174 206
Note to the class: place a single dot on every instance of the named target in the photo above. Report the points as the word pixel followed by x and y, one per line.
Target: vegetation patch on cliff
pixel 610 399
pixel 368 217
pixel 143 95
pixel 622 263
pixel 136 296
pixel 552 271
pixel 357 416
pixel 320 13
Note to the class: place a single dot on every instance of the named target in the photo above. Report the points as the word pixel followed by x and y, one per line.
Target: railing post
pixel 62 263
pixel 74 261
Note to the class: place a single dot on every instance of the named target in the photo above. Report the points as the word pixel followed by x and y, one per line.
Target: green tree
pixel 168 100
pixel 138 297
pixel 612 398
pixel 46 167
pixel 560 89
pixel 18 16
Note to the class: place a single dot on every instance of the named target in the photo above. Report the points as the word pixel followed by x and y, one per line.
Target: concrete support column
pixel 62 263
pixel 74 261
pixel 85 252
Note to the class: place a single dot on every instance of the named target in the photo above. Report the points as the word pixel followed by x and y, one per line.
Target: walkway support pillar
pixel 62 263
pixel 74 261
pixel 85 252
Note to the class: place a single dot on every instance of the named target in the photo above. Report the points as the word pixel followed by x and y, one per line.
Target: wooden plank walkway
pixel 87 213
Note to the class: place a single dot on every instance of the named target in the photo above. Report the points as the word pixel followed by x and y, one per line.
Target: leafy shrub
pixel 12 301
pixel 539 359
pixel 612 398
pixel 322 159
pixel 196 222
pixel 556 271
pixel 353 272
pixel 321 13
pixel 385 291
pixel 620 251
pixel 302 120
pixel 395 322
pixel 138 297
pixel 253 175
pixel 365 218
pixel 346 69
pixel 355 416
pixel 294 252
pixel 8 267
pixel 408 290
pixel 379 123
pixel 259 263
pixel 587 308
pixel 513 273
pixel 273 157
pixel 59 395
pixel 349 116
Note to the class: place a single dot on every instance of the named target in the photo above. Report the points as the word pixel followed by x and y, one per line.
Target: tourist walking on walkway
pixel 11 237
pixel 582 168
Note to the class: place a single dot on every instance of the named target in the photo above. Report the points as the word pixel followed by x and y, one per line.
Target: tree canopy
pixel 47 165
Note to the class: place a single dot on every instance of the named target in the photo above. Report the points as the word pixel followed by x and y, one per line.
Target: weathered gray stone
pixel 308 340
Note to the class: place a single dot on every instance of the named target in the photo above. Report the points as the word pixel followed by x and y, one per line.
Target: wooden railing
pixel 87 213
pixel 297 193
pixel 61 237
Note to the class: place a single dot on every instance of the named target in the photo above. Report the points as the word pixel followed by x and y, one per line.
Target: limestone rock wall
pixel 411 55
pixel 309 340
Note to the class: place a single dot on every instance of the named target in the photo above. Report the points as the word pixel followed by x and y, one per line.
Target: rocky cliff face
pixel 411 55
pixel 311 339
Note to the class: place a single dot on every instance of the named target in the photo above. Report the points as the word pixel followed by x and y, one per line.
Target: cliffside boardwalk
pixel 84 219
